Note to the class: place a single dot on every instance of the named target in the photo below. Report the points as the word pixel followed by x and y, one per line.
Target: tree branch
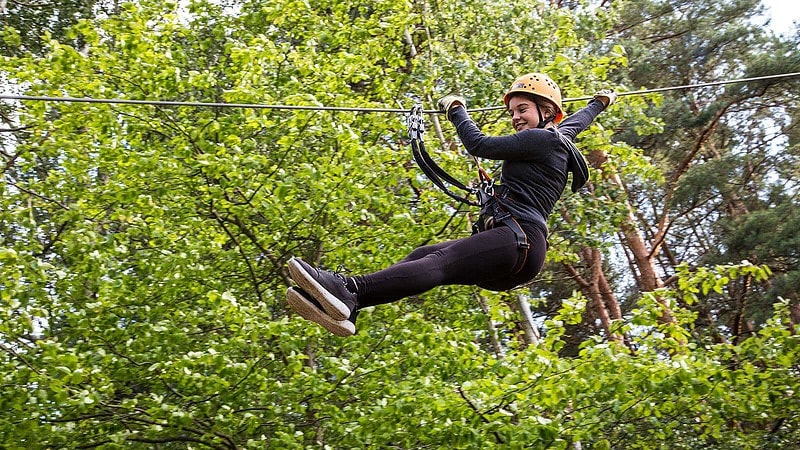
pixel 479 414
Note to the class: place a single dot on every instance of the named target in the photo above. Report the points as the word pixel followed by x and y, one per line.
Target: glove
pixel 606 96
pixel 450 101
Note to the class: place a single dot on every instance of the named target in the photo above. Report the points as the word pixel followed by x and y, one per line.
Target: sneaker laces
pixel 341 273
pixel 341 278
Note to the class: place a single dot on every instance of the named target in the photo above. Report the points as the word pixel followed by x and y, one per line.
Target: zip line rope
pixel 357 109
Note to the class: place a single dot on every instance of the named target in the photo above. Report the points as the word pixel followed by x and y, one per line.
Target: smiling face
pixel 524 111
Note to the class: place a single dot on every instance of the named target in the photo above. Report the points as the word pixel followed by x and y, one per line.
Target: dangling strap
pixel 437 175
pixel 502 216
pixel 576 163
pixel 522 243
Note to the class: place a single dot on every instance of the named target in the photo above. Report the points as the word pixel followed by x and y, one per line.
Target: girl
pixel 511 244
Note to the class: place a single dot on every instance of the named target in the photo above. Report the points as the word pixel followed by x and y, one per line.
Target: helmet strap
pixel 542 121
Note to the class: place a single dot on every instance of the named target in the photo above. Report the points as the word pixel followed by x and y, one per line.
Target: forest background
pixel 143 248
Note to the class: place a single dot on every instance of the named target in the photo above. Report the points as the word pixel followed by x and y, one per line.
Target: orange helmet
pixel 540 85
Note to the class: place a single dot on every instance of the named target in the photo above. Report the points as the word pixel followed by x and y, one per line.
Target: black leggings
pixel 485 259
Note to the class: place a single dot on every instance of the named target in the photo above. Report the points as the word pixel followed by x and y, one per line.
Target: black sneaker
pixel 310 309
pixel 328 288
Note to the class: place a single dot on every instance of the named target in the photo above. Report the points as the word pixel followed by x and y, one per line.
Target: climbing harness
pixel 489 196
pixel 493 213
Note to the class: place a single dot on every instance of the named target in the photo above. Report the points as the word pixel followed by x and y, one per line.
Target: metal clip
pixel 415 122
pixel 487 186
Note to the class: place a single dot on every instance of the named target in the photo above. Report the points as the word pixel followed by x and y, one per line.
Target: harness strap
pixel 522 243
pixel 434 172
pixel 437 175
pixel 576 163
pixel 502 216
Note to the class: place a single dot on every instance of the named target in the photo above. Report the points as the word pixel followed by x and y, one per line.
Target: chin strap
pixel 542 121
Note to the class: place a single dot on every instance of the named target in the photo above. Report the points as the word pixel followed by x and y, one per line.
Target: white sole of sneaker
pixel 335 308
pixel 309 311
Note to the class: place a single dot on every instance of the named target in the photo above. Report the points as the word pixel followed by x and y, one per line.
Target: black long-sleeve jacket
pixel 535 161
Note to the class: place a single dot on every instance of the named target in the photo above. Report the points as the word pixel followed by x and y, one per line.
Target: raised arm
pixel 526 145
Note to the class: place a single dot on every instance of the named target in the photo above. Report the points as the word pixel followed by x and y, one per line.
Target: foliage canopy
pixel 143 248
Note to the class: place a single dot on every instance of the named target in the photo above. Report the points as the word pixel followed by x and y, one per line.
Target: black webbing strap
pixel 576 163
pixel 434 172
pixel 522 243
pixel 502 216
pixel 428 162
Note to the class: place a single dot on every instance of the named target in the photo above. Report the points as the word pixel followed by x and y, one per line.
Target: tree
pixel 143 247
pixel 26 22
pixel 723 150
